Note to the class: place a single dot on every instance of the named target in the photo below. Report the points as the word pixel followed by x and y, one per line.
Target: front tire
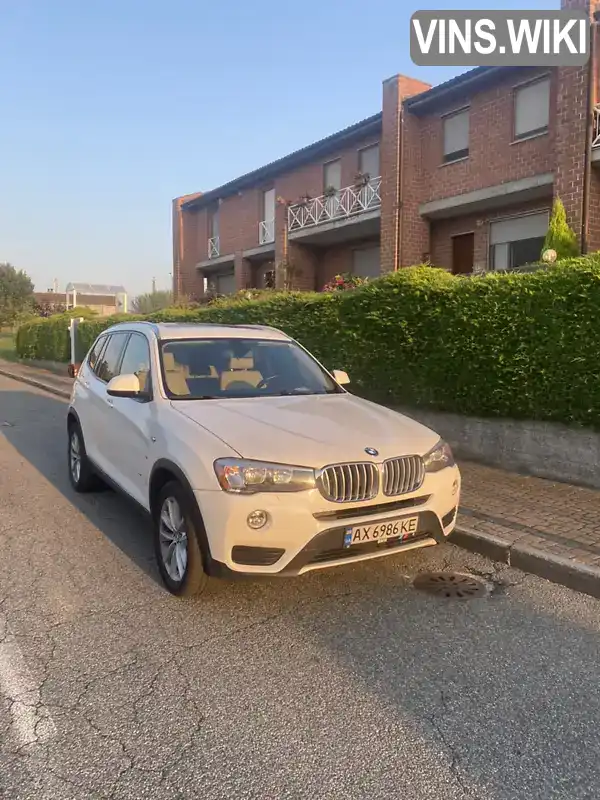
pixel 81 474
pixel 176 543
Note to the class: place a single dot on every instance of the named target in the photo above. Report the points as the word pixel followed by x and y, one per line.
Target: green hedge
pixel 511 345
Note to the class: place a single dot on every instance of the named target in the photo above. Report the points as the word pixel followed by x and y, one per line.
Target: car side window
pixel 136 360
pixel 110 360
pixel 96 352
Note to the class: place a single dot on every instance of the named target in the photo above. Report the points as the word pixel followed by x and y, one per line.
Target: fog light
pixel 257 519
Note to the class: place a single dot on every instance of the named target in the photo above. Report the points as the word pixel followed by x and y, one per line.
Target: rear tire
pixel 81 474
pixel 176 542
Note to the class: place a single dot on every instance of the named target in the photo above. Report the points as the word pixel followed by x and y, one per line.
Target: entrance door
pixel 463 249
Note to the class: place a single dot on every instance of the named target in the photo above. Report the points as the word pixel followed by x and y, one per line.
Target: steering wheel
pixel 264 383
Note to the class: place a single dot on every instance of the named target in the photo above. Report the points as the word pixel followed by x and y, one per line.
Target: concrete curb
pixel 47 387
pixel 558 569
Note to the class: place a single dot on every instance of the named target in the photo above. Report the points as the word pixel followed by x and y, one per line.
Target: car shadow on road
pixel 34 423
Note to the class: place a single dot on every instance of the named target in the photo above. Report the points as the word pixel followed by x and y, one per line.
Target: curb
pixel 557 569
pixel 47 387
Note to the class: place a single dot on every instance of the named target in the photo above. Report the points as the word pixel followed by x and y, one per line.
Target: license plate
pixel 381 531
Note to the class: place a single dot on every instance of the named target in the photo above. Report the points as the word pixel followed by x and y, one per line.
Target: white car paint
pixel 125 438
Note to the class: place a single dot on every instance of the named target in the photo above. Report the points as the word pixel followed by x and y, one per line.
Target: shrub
pixel 510 345
pixel 560 237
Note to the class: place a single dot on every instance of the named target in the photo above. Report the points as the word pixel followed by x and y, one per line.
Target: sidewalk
pixel 35 376
pixel 550 529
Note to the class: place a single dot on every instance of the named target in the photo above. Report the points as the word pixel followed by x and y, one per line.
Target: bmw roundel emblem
pixel 371 451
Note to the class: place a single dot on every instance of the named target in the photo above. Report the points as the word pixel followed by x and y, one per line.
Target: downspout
pixel 399 183
pixel 589 133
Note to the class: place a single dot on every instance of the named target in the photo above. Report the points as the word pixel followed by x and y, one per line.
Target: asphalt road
pixel 343 684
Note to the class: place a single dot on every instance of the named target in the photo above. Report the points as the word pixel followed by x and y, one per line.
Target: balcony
pixel 596 136
pixel 266 231
pixel 349 202
pixel 214 247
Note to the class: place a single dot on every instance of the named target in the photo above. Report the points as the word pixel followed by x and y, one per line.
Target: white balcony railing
pixel 213 247
pixel 266 231
pixel 596 130
pixel 348 202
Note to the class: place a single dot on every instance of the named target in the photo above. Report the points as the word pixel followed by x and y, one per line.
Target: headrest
pixel 169 362
pixel 241 363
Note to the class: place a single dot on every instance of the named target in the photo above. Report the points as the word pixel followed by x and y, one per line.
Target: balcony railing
pixel 266 231
pixel 596 129
pixel 348 202
pixel 213 247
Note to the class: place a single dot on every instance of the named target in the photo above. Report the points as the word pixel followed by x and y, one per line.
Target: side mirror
pixel 341 377
pixel 125 386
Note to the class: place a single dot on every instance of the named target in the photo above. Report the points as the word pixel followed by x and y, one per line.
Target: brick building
pixel 462 174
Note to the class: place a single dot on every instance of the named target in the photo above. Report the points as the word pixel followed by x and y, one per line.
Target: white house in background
pixel 103 298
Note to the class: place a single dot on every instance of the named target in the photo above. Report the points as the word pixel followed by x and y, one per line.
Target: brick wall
pixel 494 156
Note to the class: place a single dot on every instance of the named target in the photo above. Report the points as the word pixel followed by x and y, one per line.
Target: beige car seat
pixel 175 376
pixel 241 370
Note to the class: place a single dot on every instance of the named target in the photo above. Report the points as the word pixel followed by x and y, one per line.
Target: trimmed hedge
pixel 510 345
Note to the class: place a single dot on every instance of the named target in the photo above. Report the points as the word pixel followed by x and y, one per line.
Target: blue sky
pixel 110 109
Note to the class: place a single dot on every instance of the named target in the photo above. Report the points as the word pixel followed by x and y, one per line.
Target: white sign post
pixel 73 336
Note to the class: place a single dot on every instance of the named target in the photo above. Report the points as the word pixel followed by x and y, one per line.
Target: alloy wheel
pixel 173 539
pixel 75 456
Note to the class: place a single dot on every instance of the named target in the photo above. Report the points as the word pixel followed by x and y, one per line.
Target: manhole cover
pixel 451 584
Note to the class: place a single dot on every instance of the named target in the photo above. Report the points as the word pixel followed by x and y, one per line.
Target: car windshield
pixel 207 369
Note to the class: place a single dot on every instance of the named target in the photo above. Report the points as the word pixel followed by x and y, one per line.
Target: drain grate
pixel 451 584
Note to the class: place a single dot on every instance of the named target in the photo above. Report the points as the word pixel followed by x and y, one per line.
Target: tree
pixel 16 293
pixel 152 301
pixel 560 236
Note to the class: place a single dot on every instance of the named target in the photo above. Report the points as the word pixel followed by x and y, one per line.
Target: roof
pixel 95 288
pixel 192 330
pixel 473 78
pixel 291 161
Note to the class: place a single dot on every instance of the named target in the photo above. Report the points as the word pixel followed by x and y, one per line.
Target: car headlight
pixel 439 457
pixel 247 477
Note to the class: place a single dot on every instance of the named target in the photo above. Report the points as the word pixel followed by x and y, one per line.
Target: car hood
pixel 311 431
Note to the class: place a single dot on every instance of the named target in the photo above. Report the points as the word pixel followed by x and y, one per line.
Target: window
pixel 332 175
pixel 368 161
pixel 456 135
pixel 225 283
pixel 108 366
pixel 214 224
pixel 532 108
pixel 96 351
pixel 267 226
pixel 517 241
pixel 136 360
pixel 366 262
pixel 204 369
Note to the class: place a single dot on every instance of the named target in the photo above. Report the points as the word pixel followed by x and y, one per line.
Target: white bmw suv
pixel 250 457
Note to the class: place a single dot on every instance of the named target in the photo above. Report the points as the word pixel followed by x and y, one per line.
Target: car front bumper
pixel 306 532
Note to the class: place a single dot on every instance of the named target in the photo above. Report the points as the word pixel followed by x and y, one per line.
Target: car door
pixel 83 401
pixel 130 423
pixel 100 405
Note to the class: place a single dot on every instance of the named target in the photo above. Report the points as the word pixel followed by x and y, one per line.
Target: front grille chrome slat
pixel 349 483
pixel 403 475
pixel 360 481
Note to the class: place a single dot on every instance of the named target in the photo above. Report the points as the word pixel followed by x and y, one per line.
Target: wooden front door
pixel 463 249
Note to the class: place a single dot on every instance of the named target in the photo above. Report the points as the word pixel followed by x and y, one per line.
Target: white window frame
pixel 456 155
pixel 533 132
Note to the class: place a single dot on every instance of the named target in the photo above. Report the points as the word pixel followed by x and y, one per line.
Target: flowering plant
pixel 343 282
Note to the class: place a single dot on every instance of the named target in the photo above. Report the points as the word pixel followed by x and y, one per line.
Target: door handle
pixel 109 403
